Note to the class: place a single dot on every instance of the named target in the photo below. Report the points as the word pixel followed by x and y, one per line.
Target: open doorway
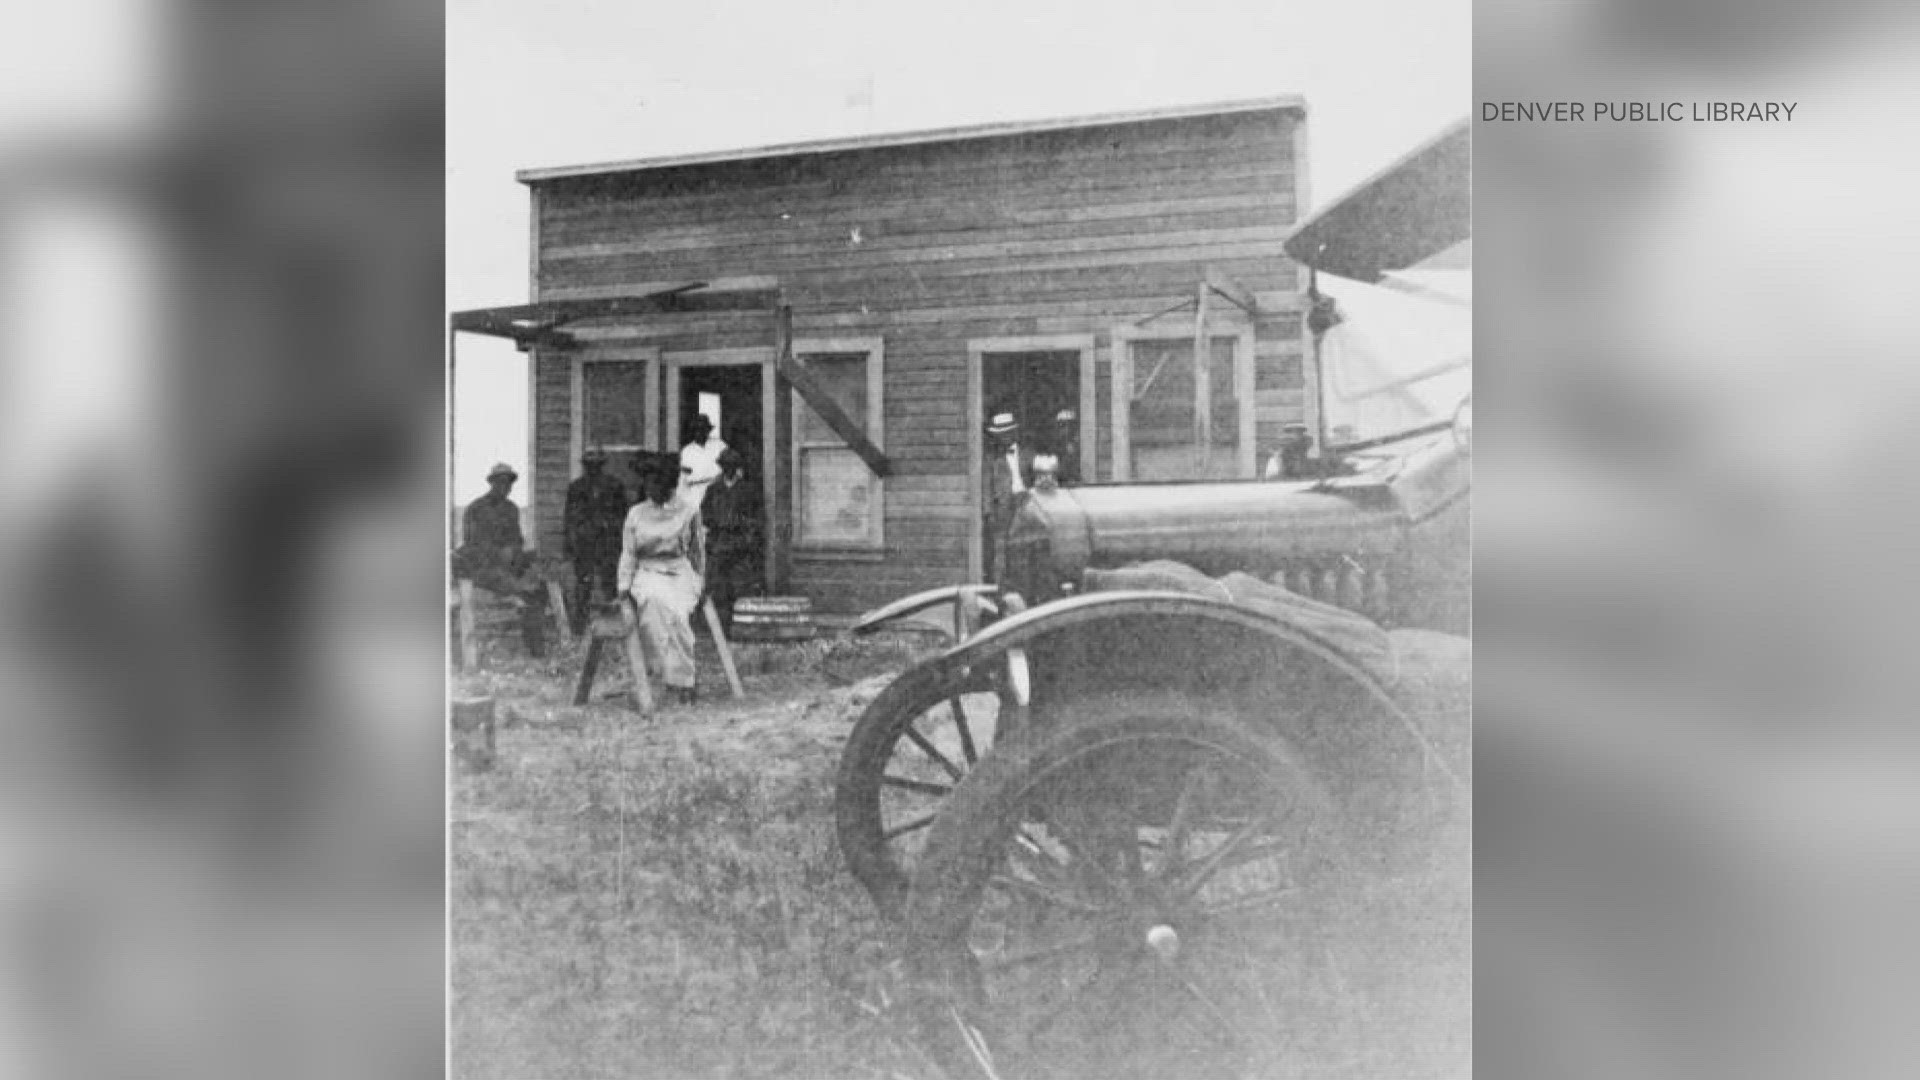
pixel 729 396
pixel 1036 387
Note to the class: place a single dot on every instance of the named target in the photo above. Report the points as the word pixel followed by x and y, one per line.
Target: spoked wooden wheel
pixel 1135 891
pixel 906 753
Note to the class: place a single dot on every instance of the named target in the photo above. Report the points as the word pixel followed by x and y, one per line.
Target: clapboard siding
pixel 932 247
pixel 958 220
pixel 1084 156
pixel 876 239
pixel 553 444
pixel 1202 174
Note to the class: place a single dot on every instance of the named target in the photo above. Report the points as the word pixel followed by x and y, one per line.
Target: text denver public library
pixel 1642 111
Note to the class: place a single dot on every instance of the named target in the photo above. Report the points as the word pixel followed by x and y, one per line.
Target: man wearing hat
pixel 733 516
pixel 1005 476
pixel 1291 461
pixel 596 508
pixel 493 555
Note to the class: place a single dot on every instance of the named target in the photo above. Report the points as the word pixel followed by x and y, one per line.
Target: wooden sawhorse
pixel 610 624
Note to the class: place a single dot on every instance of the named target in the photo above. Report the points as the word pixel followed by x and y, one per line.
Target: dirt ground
pixel 664 898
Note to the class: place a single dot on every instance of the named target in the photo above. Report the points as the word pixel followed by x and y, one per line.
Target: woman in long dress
pixel 660 565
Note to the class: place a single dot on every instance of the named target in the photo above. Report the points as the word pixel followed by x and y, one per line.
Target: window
pixel 613 408
pixel 613 404
pixel 1172 435
pixel 838 502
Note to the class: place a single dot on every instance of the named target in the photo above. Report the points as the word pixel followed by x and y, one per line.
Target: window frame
pixel 873 546
pixel 978 349
pixel 1120 391
pixel 650 379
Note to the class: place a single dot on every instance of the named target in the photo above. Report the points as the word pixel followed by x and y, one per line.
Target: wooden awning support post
pixel 1202 390
pixel 780 495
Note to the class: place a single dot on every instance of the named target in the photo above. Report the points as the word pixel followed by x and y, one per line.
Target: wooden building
pixel 932 279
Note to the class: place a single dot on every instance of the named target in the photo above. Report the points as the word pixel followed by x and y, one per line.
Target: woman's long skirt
pixel 664 603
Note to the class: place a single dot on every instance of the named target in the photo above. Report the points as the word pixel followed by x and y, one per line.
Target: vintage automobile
pixel 1137 817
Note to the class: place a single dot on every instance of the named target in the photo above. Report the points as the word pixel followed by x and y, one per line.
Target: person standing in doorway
pixel 699 460
pixel 733 516
pixel 1005 475
pixel 596 508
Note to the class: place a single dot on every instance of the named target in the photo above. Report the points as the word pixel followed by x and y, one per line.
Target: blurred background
pixel 1699 801
pixel 220 794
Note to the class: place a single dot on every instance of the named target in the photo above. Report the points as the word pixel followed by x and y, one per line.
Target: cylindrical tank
pixel 1256 527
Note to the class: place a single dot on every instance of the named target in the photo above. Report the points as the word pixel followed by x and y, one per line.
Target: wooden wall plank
pixel 1065 232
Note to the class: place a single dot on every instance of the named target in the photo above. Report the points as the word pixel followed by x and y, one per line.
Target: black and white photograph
pixel 960 535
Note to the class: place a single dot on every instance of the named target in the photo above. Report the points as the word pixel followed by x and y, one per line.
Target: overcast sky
pixel 558 82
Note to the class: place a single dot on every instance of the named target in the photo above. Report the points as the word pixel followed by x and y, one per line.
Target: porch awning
pixel 540 323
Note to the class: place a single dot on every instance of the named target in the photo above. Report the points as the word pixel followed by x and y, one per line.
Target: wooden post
pixel 471 723
pixel 469 630
pixel 606 623
pixel 779 495
pixel 720 643
pixel 583 689
pixel 1202 379
pixel 966 614
pixel 637 661
pixel 557 605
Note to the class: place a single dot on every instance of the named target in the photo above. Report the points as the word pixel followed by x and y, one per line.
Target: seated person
pixel 493 555
pixel 660 563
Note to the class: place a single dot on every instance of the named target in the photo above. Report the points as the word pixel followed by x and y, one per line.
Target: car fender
pixel 1022 629
pixel 1381 729
pixel 921 608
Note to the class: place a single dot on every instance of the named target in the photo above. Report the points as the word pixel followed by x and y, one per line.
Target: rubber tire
pixel 964 844
pixel 863 760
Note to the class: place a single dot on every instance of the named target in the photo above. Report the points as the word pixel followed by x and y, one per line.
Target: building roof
pixel 1284 102
pixel 540 323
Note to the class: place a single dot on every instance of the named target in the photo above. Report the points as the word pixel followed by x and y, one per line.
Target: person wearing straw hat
pixel 493 555
pixel 1005 476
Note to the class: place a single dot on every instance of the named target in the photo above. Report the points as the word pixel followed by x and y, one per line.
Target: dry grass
pixel 663 899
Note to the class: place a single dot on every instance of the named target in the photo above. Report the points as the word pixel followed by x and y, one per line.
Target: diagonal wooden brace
pixel 815 395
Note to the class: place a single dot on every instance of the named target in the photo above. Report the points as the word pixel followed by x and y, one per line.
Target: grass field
pixel 663 898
